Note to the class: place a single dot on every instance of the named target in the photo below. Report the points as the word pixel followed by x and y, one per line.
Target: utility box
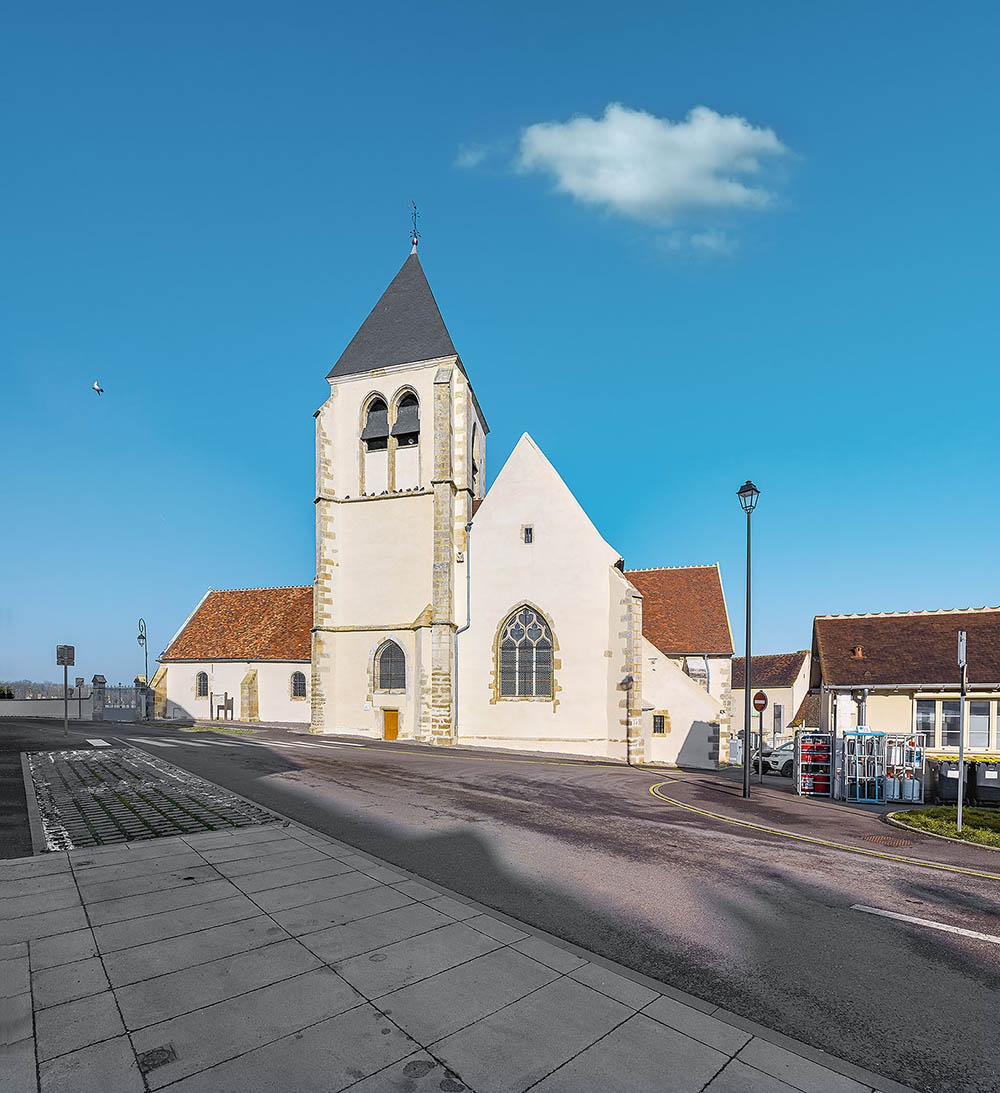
pixel 813 763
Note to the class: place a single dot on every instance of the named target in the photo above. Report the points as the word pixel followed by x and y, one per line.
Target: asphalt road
pixel 760 924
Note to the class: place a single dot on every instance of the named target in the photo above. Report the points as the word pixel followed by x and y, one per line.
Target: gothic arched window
pixel 390 668
pixel 406 429
pixel 525 655
pixel 298 685
pixel 201 685
pixel 375 434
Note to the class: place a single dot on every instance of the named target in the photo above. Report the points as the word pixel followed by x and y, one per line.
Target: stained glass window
pixel 525 656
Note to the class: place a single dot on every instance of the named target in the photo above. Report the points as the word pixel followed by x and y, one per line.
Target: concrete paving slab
pixel 312 891
pixel 251 850
pixel 45 924
pixel 325 1058
pixel 495 928
pixel 737 1077
pixel 15 976
pixel 17 1067
pixel 615 986
pixel 415 890
pixel 140 931
pixel 31 868
pixel 700 1026
pixel 181 992
pixel 640 1054
pixel 19 906
pixel 261 862
pixel 15 1018
pixel 14 952
pixel 150 903
pixel 382 873
pixel 394 966
pixel 140 867
pixel 364 936
pixel 241 1024
pixel 53 986
pixel 418 1073
pixel 109 1067
pixel 559 959
pixel 119 853
pixel 149 882
pixel 77 1024
pixel 237 836
pixel 290 874
pixel 311 917
pixel 451 1000
pixel 796 1071
pixel 453 908
pixel 29 886
pixel 522 1043
pixel 65 948
pixel 190 949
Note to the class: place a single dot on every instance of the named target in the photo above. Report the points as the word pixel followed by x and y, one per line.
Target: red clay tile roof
pixel 807 715
pixel 248 624
pixel 684 609
pixel 912 648
pixel 770 670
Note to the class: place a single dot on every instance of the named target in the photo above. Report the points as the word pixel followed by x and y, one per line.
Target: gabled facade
pixel 784 679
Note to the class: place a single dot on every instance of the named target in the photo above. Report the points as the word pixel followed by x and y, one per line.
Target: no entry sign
pixel 760 702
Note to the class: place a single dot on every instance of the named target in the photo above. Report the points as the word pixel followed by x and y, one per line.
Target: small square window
pixel 528 533
pixel 659 724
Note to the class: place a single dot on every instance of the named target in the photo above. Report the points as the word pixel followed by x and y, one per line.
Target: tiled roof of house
pixel 404 327
pixel 807 715
pixel 684 609
pixel 770 670
pixel 248 624
pixel 914 647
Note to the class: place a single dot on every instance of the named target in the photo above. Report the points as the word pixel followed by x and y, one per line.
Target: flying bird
pixel 98 388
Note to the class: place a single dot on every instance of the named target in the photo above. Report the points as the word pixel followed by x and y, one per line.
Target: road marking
pixel 99 743
pixel 823 842
pixel 928 923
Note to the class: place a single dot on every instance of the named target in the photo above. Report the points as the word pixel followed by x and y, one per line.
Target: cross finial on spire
pixel 414 235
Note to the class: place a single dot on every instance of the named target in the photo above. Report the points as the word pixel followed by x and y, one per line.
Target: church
pixel 445 613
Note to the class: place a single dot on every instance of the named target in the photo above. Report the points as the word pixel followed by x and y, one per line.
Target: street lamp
pixel 141 639
pixel 748 494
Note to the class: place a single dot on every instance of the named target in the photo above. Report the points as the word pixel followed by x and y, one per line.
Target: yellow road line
pixel 821 842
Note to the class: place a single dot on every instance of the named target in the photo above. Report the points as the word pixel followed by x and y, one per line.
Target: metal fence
pixel 120 696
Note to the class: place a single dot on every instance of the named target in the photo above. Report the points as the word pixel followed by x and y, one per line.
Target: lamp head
pixel 748 494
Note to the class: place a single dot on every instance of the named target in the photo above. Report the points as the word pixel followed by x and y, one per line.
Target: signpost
pixel 66 656
pixel 961 725
pixel 760 705
pixel 79 696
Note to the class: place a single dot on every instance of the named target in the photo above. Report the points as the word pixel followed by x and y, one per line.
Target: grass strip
pixel 979 825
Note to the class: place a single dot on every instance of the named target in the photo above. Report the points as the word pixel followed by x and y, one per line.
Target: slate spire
pixel 405 326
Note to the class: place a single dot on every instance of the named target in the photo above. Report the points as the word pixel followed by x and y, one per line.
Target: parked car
pixel 779 760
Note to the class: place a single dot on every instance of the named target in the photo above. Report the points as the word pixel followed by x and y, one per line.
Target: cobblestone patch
pixel 89 798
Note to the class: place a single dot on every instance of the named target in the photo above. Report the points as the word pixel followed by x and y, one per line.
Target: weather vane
pixel 415 234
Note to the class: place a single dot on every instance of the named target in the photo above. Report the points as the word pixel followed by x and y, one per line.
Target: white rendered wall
pixel 274 700
pixel 567 572
pixel 692 714
pixel 46 707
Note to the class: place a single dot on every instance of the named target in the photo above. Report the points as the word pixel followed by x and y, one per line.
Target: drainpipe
pixel 708 673
pixel 468 613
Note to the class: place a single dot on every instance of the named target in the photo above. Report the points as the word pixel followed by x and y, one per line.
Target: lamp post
pixel 141 639
pixel 748 494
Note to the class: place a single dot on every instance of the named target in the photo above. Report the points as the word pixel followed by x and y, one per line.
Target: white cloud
pixel 655 170
pixel 471 155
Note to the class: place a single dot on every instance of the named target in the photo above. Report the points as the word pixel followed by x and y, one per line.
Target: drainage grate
pixel 88 798
pixel 887 840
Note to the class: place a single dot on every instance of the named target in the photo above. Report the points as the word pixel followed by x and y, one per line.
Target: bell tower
pixel 400 459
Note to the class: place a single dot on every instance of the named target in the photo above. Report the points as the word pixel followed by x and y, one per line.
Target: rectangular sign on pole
pixel 66 655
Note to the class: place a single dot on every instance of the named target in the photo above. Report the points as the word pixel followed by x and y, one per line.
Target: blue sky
pixel 202 202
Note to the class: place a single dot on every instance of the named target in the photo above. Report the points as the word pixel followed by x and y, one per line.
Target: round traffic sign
pixel 760 702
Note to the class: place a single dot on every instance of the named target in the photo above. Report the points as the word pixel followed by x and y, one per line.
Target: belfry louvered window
pixel 525 653
pixel 406 429
pixel 375 434
pixel 390 668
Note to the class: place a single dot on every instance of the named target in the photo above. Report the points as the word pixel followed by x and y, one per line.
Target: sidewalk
pixel 273 958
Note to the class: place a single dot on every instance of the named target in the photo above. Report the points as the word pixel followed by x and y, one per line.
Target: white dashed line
pixel 928 923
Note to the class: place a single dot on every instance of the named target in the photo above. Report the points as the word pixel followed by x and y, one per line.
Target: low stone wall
pixel 79 709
